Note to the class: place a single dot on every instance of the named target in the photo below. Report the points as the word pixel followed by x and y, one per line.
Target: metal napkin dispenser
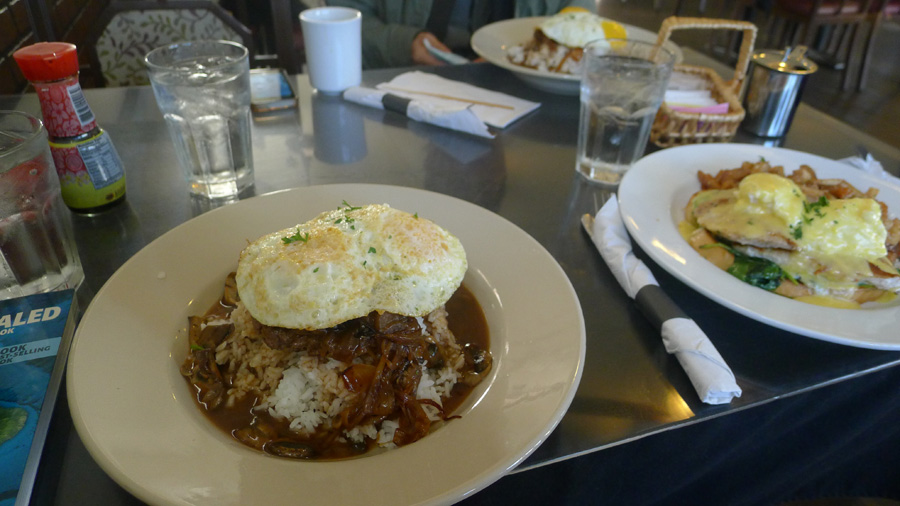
pixel 773 93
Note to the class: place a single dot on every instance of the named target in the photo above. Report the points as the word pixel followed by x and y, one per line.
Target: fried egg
pixel 578 28
pixel 829 245
pixel 346 263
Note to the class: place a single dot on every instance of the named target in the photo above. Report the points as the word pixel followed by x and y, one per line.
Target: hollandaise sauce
pixel 828 245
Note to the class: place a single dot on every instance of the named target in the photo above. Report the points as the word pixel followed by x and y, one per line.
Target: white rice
pixel 308 394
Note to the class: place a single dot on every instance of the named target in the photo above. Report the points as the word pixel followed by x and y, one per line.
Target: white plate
pixel 136 416
pixel 492 41
pixel 653 195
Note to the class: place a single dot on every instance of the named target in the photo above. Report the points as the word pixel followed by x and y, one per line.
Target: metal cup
pixel 776 82
pixel 37 248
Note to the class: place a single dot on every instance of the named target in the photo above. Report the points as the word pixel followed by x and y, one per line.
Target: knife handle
pixel 656 305
pixel 395 103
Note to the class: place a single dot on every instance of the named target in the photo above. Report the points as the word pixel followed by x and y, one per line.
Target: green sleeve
pixel 528 8
pixel 384 43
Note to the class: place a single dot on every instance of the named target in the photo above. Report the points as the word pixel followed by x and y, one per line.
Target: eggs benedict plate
pixel 830 253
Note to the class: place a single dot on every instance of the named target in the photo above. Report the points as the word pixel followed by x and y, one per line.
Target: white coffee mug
pixel 332 37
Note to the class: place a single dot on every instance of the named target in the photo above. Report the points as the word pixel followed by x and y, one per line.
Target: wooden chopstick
pixel 448 97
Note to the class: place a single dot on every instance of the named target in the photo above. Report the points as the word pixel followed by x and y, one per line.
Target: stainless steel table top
pixel 630 387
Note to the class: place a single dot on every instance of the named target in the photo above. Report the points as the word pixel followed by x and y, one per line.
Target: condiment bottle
pixel 90 171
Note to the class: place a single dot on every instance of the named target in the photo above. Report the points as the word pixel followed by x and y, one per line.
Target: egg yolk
pixel 566 10
pixel 764 194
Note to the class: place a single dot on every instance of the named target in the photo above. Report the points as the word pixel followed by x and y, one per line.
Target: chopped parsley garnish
pixel 296 237
pixel 416 216
pixel 822 202
pixel 372 250
pixel 197 347
pixel 348 207
pixel 811 210
pixel 316 269
pixel 815 207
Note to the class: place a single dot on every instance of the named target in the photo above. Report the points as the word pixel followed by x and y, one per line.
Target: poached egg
pixel 829 245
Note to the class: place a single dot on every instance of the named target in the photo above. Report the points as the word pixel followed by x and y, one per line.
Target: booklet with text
pixel 35 334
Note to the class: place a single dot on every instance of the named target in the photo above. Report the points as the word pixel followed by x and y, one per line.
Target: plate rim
pixel 500 468
pixel 682 159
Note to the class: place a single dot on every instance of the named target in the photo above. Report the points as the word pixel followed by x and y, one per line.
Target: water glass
pixel 332 37
pixel 622 85
pixel 203 91
pixel 37 248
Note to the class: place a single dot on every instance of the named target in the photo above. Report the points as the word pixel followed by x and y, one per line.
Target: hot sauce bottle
pixel 90 171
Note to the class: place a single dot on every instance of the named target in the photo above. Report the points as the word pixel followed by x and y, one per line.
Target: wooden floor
pixel 875 110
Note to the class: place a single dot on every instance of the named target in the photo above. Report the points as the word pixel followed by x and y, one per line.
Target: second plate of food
pixel 138 417
pixel 493 42
pixel 653 196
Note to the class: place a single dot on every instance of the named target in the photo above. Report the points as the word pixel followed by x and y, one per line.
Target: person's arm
pixel 528 8
pixel 384 44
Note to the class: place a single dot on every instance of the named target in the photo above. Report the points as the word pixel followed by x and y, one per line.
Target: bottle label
pixel 82 110
pixel 90 172
pixel 58 107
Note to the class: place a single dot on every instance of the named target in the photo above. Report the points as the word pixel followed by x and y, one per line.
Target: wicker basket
pixel 675 128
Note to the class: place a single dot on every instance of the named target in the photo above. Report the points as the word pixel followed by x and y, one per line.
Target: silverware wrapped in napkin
pixel 868 164
pixel 712 378
pixel 443 102
pixel 455 117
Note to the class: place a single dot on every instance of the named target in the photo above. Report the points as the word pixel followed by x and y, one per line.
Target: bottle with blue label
pixel 90 171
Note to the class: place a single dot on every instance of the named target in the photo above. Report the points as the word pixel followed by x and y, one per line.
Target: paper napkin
pixel 712 378
pixel 456 116
pixel 871 166
pixel 423 86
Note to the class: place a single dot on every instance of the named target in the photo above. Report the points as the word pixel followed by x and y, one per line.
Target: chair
pixel 834 30
pixel 288 39
pixel 128 30
pixel 888 11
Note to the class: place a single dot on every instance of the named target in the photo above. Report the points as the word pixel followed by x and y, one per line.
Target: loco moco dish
pixel 558 42
pixel 346 333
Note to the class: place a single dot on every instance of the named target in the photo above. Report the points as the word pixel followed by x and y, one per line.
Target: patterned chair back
pixel 132 29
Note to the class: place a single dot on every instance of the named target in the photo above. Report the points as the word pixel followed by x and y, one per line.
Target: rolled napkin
pixel 712 378
pixel 453 116
pixel 871 166
pixel 492 107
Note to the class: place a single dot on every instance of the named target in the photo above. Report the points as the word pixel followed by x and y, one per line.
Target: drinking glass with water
pixel 37 248
pixel 203 91
pixel 622 85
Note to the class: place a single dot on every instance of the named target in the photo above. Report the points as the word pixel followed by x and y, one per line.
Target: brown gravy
pixel 467 322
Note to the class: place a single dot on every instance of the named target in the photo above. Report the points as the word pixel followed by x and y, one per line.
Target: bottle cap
pixel 47 61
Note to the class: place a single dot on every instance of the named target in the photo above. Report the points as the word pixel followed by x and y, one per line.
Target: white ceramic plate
pixel 653 195
pixel 136 416
pixel 492 41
